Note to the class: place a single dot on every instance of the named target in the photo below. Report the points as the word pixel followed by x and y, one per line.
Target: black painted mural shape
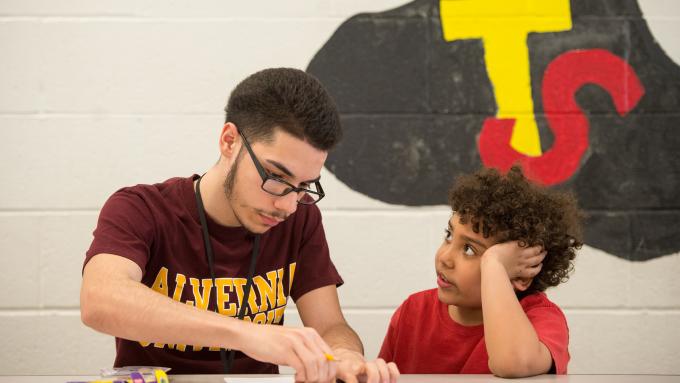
pixel 413 106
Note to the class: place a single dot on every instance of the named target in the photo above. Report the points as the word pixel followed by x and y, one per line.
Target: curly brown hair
pixel 511 208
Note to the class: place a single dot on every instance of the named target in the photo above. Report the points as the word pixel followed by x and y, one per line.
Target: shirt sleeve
pixel 314 268
pixel 387 349
pixel 124 228
pixel 552 330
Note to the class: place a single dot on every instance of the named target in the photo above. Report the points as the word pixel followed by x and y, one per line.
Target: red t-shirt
pixel 157 227
pixel 423 339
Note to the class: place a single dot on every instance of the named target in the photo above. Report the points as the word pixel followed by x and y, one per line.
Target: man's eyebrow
pixel 281 167
pixel 290 174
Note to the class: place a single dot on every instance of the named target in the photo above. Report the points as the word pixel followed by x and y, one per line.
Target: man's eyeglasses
pixel 278 187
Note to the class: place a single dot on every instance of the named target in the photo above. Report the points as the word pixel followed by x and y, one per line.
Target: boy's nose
pixel 445 257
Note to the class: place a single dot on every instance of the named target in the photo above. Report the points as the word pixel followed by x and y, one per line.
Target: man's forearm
pixel 130 310
pixel 342 336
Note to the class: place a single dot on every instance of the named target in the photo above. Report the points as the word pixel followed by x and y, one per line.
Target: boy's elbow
pixel 517 366
pixel 510 372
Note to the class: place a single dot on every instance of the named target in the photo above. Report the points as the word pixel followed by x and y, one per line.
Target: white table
pixel 403 379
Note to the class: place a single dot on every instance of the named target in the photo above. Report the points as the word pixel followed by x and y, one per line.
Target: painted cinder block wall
pixel 97 96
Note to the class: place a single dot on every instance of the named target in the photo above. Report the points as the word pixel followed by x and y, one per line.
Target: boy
pixel 506 242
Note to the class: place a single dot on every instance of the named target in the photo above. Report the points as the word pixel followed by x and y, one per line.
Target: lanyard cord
pixel 209 255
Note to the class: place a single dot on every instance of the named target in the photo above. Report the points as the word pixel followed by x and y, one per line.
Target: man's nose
pixel 287 203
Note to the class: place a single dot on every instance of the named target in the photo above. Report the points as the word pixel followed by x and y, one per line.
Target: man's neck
pixel 215 202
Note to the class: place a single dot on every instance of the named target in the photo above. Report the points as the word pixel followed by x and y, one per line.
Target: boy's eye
pixel 468 250
pixel 447 235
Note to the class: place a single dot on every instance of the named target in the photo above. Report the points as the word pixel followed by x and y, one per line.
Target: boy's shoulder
pixel 423 295
pixel 416 305
pixel 422 299
pixel 539 300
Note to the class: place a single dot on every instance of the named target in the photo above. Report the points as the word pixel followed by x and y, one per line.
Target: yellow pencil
pixel 330 357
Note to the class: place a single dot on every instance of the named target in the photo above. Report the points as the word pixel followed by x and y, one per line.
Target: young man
pixel 506 242
pixel 172 264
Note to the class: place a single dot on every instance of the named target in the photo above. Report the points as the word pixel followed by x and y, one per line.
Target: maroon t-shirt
pixel 157 227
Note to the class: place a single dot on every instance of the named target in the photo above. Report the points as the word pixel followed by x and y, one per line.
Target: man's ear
pixel 521 284
pixel 229 140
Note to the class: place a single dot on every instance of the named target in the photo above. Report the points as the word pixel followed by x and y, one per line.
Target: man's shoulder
pixel 170 188
pixel 149 199
pixel 307 212
pixel 156 188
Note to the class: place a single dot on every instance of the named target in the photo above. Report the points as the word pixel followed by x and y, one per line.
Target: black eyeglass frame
pixel 291 188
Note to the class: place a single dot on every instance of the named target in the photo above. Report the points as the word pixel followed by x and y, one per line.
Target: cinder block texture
pixel 150 9
pixel 144 66
pixel 232 9
pixel 624 342
pixel 603 281
pixel 42 257
pixel 95 97
pixel 63 242
pixel 52 343
pixel 83 160
pixel 19 261
pixel 384 256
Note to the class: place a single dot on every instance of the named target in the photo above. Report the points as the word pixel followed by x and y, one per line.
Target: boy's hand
pixel 519 262
pixel 353 368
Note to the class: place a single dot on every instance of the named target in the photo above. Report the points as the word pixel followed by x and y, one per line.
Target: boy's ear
pixel 521 284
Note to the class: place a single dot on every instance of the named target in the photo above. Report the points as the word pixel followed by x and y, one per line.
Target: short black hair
pixel 285 98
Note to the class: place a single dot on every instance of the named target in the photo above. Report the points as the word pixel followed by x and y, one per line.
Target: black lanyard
pixel 209 256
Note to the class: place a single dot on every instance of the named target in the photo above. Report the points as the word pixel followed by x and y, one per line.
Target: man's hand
pixel 353 368
pixel 519 262
pixel 303 349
